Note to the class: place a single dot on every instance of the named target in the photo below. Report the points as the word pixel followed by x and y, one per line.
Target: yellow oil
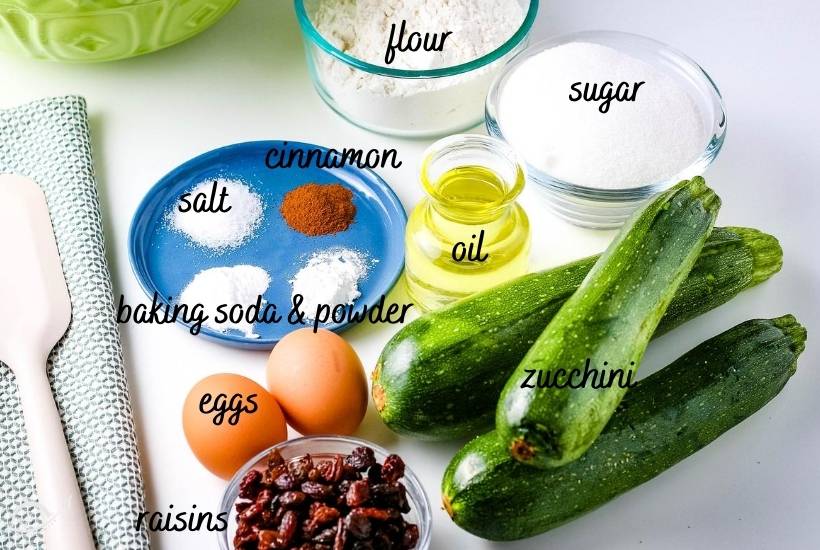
pixel 471 187
pixel 463 202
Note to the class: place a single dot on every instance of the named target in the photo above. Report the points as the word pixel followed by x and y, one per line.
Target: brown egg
pixel 228 419
pixel 319 381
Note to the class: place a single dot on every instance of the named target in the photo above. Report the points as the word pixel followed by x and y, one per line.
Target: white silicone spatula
pixel 35 310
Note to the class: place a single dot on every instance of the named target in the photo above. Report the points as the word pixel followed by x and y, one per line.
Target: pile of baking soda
pixel 330 277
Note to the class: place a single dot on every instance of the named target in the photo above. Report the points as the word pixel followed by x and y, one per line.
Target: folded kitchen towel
pixel 48 141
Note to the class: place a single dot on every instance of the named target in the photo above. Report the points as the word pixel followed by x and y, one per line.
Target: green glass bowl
pixel 102 30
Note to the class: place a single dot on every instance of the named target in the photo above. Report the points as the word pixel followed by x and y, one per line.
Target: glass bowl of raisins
pixel 325 493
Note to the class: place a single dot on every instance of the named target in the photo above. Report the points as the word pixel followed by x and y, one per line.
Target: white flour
pixel 635 143
pixel 221 230
pixel 361 28
pixel 330 277
pixel 238 285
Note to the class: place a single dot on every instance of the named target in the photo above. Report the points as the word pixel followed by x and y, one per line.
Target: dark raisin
pixel 246 539
pixel 242 506
pixel 308 528
pixel 361 458
pixel 382 541
pixel 351 473
pixel 277 516
pixel 292 499
pixel 374 474
pixel 324 470
pixel 275 459
pixel 285 482
pixel 331 470
pixel 358 524
pixel 264 498
pixel 243 528
pixel 319 491
pixel 268 539
pixel 300 467
pixel 245 543
pixel 341 535
pixel 403 504
pixel 288 527
pixel 266 520
pixel 379 514
pixel 343 486
pixel 324 514
pixel 384 494
pixel 391 495
pixel 338 468
pixel 357 494
pixel 363 545
pixel 318 517
pixel 392 530
pixel 250 485
pixel 327 536
pixel 411 536
pixel 393 468
pixel 314 475
pixel 273 473
pixel 249 513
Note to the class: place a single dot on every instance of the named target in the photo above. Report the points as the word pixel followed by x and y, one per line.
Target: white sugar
pixel 634 143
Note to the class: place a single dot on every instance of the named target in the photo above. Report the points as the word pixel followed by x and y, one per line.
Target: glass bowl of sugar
pixel 606 120
pixel 421 71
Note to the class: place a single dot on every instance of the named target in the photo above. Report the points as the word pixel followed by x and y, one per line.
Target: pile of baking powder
pixel 330 277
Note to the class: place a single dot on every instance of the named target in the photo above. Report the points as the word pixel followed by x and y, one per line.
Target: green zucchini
pixel 606 325
pixel 440 376
pixel 665 418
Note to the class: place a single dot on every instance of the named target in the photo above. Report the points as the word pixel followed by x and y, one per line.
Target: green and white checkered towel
pixel 48 140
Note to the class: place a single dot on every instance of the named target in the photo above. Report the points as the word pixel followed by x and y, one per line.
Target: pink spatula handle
pixel 65 526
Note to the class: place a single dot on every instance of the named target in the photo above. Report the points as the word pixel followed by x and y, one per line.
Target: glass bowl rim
pixel 495 145
pixel 493 123
pixel 423 509
pixel 312 33
pixel 82 11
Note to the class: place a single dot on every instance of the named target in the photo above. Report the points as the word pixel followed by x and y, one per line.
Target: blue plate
pixel 165 261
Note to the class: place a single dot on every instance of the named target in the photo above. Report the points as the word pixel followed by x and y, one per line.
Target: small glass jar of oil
pixel 468 234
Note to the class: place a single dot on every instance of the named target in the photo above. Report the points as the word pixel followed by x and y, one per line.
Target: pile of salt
pixel 221 230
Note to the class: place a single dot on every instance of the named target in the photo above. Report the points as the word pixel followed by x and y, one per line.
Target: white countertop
pixel 756 487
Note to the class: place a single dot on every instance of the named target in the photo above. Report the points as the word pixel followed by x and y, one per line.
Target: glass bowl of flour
pixel 411 68
pixel 605 120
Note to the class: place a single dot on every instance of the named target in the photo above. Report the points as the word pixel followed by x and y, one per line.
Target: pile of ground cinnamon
pixel 315 209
